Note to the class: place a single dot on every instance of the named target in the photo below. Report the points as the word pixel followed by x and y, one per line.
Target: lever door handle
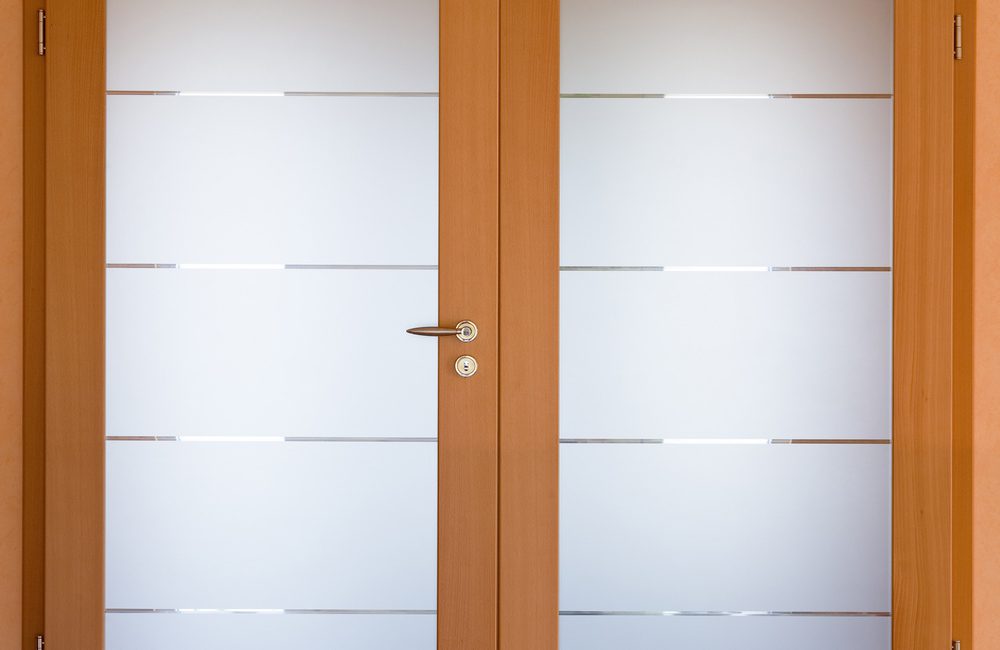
pixel 465 331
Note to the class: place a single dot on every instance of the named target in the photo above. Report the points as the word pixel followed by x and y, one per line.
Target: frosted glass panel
pixel 729 633
pixel 267 632
pixel 311 180
pixel 725 354
pixel 726 324
pixel 271 525
pixel 725 527
pixel 723 181
pixel 270 353
pixel 272 228
pixel 718 46
pixel 263 45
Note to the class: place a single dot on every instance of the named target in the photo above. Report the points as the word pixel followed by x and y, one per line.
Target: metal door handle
pixel 465 331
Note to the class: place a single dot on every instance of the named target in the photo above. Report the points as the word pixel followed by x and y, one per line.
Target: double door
pixel 650 247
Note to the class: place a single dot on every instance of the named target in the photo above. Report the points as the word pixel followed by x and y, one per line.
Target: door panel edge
pixel 922 325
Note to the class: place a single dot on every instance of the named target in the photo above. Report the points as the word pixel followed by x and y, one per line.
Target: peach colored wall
pixel 10 322
pixel 986 393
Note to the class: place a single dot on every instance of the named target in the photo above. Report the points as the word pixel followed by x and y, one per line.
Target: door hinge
pixel 956 645
pixel 958 37
pixel 39 642
pixel 41 38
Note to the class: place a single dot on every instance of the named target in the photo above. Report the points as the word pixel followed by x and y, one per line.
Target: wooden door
pixel 83 138
pixel 498 483
pixel 917 37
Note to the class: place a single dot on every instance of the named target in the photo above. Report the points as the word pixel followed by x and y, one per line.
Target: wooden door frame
pixel 11 323
pixel 524 574
pixel 922 324
pixel 74 310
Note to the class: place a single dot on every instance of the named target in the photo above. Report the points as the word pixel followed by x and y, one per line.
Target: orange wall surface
pixel 10 323
pixel 986 288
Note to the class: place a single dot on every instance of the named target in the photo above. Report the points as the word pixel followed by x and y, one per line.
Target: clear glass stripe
pixel 725 441
pixel 267 439
pixel 276 93
pixel 726 96
pixel 735 269
pixel 719 613
pixel 189 266
pixel 402 612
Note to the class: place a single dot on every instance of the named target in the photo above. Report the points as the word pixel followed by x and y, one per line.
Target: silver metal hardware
pixel 465 331
pixel 41 38
pixel 958 37
pixel 39 642
pixel 956 645
pixel 466 366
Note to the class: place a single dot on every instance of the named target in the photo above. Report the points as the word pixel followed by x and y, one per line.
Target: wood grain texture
pixel 33 564
pixel 467 410
pixel 922 328
pixel 963 354
pixel 529 324
pixel 11 326
pixel 74 577
pixel 986 397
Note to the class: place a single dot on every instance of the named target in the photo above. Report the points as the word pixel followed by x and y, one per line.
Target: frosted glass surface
pixel 731 633
pixel 271 525
pixel 723 181
pixel 265 632
pixel 263 45
pixel 727 354
pixel 272 353
pixel 212 632
pixel 725 527
pixel 309 180
pixel 718 46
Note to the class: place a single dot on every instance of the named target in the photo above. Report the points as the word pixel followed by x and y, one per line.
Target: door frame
pixel 922 324
pixel 519 575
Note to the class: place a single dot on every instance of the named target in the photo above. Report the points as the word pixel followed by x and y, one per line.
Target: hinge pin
pixel 41 38
pixel 958 37
pixel 39 642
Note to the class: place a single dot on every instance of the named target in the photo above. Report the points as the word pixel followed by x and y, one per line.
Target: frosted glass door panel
pixel 263 45
pixel 272 228
pixel 732 528
pixel 719 46
pixel 726 324
pixel 270 525
pixel 686 354
pixel 308 180
pixel 724 633
pixel 726 181
pixel 210 631
pixel 283 352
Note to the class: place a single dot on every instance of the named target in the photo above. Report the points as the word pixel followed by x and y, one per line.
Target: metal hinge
pixel 39 642
pixel 958 37
pixel 956 645
pixel 41 41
